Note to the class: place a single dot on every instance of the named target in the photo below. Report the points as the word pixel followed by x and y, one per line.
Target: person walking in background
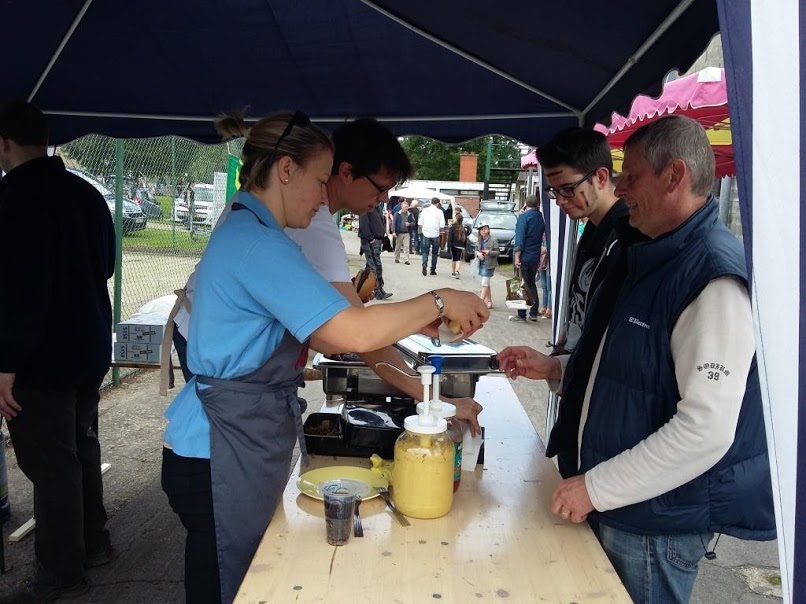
pixel 432 221
pixel 529 232
pixel 55 279
pixel 544 276
pixel 487 255
pixel 414 230
pixel 402 221
pixel 371 230
pixel 457 241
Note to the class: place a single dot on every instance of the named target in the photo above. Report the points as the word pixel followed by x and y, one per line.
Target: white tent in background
pixel 420 193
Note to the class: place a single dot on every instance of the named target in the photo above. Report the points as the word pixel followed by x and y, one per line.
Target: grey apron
pixel 254 420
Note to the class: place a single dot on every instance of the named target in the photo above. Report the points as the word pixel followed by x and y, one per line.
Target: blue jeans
pixel 655 569
pixel 431 243
pixel 545 283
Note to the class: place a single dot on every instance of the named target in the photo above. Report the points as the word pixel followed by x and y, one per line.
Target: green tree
pixel 435 160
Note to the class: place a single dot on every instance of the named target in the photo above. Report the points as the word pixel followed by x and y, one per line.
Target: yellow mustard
pixel 422 478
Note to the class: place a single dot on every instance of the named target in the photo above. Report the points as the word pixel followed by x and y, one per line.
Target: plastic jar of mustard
pixel 447 411
pixel 422 478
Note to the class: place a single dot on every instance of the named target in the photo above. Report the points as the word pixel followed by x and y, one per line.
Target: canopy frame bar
pixel 323 119
pixel 79 17
pixel 642 50
pixel 471 58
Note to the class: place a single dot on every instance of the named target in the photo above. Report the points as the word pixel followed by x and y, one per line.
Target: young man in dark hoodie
pixel 578 168
pixel 55 279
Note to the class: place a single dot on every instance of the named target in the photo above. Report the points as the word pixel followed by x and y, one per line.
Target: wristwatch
pixel 439 302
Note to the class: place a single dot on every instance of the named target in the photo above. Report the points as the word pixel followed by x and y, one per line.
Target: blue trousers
pixel 655 569
pixel 431 243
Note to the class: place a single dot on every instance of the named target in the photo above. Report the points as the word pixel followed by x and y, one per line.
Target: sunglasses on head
pixel 298 119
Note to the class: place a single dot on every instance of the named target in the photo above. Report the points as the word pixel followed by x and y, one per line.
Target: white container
pixel 138 352
pixel 145 328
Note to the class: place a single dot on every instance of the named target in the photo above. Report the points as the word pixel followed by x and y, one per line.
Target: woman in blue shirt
pixel 258 303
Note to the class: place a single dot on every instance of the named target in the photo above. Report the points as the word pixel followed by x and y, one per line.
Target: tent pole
pixel 59 50
pixel 642 50
pixel 468 56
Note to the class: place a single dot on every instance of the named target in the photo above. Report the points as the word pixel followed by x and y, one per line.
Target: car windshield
pixel 498 221
pixel 203 195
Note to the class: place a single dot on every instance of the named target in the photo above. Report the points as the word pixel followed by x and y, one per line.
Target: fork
pixel 358 528
pixel 384 492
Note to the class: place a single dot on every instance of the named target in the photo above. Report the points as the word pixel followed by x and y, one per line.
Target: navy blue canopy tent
pixel 455 70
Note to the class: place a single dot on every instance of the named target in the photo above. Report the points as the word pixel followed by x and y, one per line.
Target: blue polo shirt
pixel 254 283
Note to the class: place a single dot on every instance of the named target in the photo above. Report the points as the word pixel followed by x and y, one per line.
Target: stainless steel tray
pixel 463 356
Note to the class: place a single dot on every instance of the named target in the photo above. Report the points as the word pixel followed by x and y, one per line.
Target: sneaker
pixel 433 272
pixel 533 318
pixel 46 592
pixel 517 318
pixel 383 296
pixel 425 272
pixel 456 276
pixel 397 261
pixel 407 262
pixel 453 274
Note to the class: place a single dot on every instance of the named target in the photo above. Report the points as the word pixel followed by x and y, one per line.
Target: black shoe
pixel 533 318
pixel 397 261
pixel 47 593
pixel 433 272
pixel 383 296
pixel 425 272
pixel 101 557
pixel 407 262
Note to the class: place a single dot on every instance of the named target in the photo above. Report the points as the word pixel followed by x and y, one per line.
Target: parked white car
pixel 203 200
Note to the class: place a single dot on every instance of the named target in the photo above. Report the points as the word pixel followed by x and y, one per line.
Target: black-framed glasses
pixel 381 190
pixel 568 191
pixel 298 119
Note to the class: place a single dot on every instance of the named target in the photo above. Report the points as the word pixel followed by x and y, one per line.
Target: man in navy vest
pixel 672 447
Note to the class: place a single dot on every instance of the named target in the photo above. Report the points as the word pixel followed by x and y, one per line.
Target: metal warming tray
pixel 462 356
pixel 463 362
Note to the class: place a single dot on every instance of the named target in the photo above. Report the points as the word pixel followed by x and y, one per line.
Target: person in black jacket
pixel 55 288
pixel 371 231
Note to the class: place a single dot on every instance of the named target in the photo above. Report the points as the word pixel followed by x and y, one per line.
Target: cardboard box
pixel 142 328
pixel 138 352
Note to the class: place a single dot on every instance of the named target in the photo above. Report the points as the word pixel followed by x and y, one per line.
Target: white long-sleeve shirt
pixel 716 328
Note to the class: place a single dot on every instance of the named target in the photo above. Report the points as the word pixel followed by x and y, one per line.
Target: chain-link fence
pixel 172 191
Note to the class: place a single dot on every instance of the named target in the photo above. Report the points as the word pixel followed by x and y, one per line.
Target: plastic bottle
pixel 5 505
pixel 424 461
pixel 446 411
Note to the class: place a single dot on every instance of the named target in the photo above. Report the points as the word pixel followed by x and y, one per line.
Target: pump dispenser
pixel 447 411
pixel 424 458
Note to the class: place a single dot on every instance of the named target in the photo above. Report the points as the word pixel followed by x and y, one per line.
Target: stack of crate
pixel 139 338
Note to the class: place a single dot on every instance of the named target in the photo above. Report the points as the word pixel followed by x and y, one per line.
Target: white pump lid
pixel 438 408
pixel 425 424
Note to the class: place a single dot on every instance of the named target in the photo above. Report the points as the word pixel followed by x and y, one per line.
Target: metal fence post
pixel 116 305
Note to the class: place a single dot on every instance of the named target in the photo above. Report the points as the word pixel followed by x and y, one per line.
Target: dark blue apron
pixel 254 421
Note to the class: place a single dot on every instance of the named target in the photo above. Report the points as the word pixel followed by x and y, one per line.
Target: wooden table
pixel 499 542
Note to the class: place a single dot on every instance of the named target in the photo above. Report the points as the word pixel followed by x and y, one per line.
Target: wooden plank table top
pixel 499 542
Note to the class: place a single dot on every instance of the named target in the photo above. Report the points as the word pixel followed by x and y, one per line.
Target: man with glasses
pixel 578 167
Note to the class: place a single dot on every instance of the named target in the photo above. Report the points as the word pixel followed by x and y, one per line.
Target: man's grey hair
pixel 677 137
pixel 531 201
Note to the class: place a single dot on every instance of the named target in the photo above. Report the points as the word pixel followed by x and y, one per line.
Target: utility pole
pixel 487 166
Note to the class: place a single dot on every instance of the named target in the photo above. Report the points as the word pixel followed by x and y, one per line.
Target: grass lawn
pixel 165 239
